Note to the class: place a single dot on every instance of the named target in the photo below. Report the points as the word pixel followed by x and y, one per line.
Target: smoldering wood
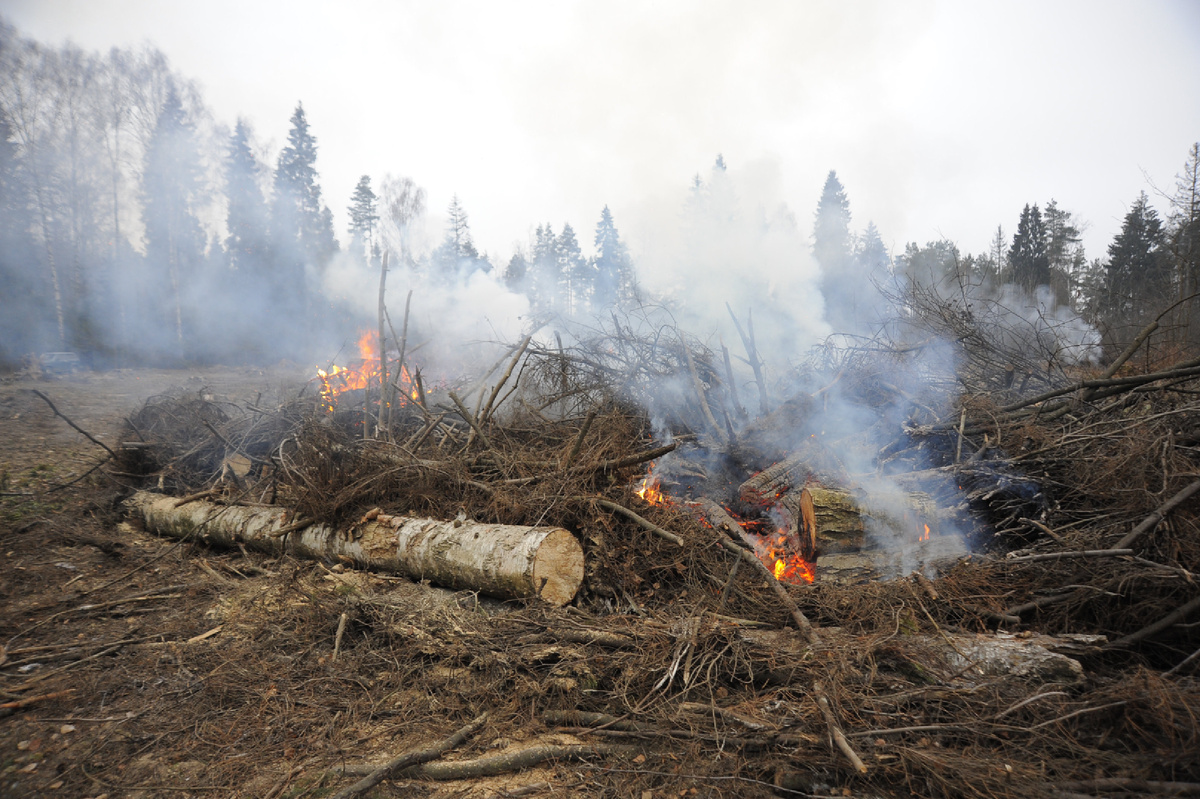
pixel 721 521
pixel 506 561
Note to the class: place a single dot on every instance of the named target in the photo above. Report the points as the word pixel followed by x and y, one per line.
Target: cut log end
pixel 558 568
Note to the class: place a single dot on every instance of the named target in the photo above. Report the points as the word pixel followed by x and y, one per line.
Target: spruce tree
pixel 456 257
pixel 516 273
pixel 301 226
pixel 171 187
pixel 831 227
pixel 1138 278
pixel 574 273
pixel 615 282
pixel 872 255
pixel 841 278
pixel 1028 256
pixel 247 245
pixel 545 279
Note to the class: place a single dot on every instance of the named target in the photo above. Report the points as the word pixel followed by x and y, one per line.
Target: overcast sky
pixel 942 119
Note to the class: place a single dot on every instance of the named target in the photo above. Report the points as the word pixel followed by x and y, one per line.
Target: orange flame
pixel 772 548
pixel 649 489
pixel 787 566
pixel 925 535
pixel 338 379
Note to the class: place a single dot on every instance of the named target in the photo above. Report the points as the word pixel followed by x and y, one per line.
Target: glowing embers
pixel 769 533
pixel 788 567
pixel 776 545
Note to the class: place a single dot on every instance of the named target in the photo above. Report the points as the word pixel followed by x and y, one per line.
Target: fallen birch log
pixel 505 561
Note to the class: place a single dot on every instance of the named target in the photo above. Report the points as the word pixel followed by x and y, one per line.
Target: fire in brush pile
pixel 365 373
pixel 768 532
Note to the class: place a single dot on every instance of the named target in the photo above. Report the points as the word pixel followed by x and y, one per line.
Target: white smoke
pixel 455 323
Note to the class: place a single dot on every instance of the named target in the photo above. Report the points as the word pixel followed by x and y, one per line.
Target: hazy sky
pixel 942 119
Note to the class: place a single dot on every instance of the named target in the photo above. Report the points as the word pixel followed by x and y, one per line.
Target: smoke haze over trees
pixel 135 228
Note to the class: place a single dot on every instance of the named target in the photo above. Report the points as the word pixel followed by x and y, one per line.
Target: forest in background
pixel 138 229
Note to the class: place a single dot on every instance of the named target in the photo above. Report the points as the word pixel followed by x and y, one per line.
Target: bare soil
pixel 136 666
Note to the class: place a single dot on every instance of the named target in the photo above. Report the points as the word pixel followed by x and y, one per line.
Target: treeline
pixel 1151 266
pixel 135 228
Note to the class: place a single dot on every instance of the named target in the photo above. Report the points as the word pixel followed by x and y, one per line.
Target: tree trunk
pixel 506 561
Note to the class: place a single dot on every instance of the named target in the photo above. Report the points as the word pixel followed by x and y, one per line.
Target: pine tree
pixel 247 245
pixel 363 216
pixel 1028 255
pixel 171 186
pixel 456 257
pixel 1064 251
pixel 615 280
pixel 1138 280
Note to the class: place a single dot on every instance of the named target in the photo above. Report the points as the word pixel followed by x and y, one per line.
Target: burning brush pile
pixel 686 536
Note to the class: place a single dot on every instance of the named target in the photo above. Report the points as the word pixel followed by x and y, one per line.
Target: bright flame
pixel 771 545
pixel 339 379
pixel 649 489
pixel 788 567
pixel 925 535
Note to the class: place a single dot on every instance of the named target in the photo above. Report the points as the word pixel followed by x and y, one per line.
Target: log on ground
pixel 505 561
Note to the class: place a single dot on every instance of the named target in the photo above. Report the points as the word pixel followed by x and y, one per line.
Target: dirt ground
pixel 91 614
pixel 138 666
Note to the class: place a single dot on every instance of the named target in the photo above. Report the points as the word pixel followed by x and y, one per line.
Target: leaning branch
pixel 719 519
pixel 835 731
pixel 79 429
pixel 1151 521
pixel 646 524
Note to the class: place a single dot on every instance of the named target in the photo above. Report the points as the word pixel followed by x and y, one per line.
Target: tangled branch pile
pixel 906 687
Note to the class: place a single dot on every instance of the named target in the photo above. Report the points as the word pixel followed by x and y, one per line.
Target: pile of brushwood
pixel 1061 659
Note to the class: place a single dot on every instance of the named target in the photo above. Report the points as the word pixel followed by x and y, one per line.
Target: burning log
pixel 506 561
pixel 809 462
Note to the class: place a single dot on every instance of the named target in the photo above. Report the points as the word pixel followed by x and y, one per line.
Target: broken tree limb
pixel 719 519
pixel 835 730
pixel 383 364
pixel 1172 618
pixel 506 561
pixel 490 407
pixel 1151 521
pixel 645 524
pixel 77 428
pixel 630 460
pixel 752 359
pixel 470 419
pixel 698 386
pixel 1085 553
pixel 514 761
pixel 583 431
pixel 413 757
